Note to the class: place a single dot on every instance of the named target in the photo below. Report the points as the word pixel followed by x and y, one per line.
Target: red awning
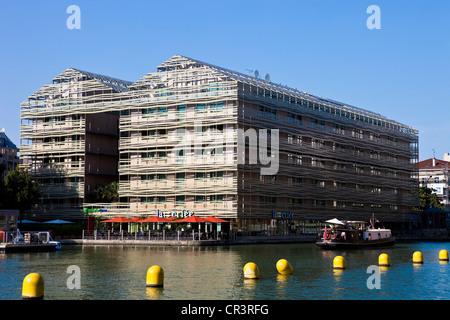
pixel 154 219
pixel 215 220
pixel 194 219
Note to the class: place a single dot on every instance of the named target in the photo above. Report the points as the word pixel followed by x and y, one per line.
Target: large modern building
pixel 194 138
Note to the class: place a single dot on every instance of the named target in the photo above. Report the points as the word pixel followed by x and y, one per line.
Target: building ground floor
pixel 275 222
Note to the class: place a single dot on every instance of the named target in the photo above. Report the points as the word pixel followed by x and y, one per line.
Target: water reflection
pixel 119 272
pixel 154 293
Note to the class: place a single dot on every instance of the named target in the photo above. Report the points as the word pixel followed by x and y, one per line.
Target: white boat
pixel 354 235
pixel 28 241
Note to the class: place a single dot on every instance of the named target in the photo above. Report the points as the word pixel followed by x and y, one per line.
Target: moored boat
pixel 28 241
pixel 354 235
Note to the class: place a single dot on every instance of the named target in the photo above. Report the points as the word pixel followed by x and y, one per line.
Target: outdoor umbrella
pixel 118 219
pixel 28 221
pixel 172 219
pixel 194 219
pixel 335 221
pixel 58 221
pixel 154 219
pixel 215 220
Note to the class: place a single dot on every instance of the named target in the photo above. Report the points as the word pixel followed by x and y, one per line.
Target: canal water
pixel 195 273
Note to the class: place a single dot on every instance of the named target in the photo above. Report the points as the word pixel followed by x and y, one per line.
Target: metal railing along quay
pixel 191 237
pixel 160 235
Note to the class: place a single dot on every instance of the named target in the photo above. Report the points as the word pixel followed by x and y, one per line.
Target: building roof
pixel 5 141
pixel 438 165
pixel 182 62
pixel 114 83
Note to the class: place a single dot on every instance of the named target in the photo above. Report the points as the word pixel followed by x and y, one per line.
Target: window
pixel 318 183
pixel 375 189
pixel 294 159
pixel 358 169
pixel 200 108
pixel 216 106
pixel 317 163
pixel 181 110
pixel 338 147
pixel 317 143
pixel 338 129
pixel 375 155
pixel 295 181
pixel 374 137
pixel 200 175
pixel 339 204
pixel 375 171
pixel 392 141
pixel 318 124
pixel 339 167
pixel 263 199
pixel 358 151
pixel 200 198
pixel 215 86
pixel 217 197
pixel 318 203
pixel 357 133
pixel 294 118
pixel 267 112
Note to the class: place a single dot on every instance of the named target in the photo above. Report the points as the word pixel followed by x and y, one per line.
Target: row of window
pixel 338 112
pixel 317 124
pixel 181 109
pixel 324 203
pixel 182 198
pixel 182 175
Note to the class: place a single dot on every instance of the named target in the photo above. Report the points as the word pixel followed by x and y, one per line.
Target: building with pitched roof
pixel 9 156
pixel 434 174
pixel 194 137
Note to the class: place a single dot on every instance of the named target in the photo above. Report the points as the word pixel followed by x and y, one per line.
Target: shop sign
pixel 282 214
pixel 178 214
pixel 87 210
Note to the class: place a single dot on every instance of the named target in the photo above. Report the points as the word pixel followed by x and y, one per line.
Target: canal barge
pixel 30 241
pixel 354 235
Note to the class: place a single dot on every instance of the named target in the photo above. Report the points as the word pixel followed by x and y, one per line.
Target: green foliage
pixel 428 199
pixel 108 193
pixel 18 191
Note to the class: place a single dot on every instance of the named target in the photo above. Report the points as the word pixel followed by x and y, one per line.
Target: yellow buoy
pixel 284 267
pixel 251 271
pixel 443 255
pixel 383 260
pixel 339 262
pixel 417 257
pixel 33 286
pixel 155 277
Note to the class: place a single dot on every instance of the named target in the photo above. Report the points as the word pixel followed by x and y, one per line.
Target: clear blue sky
pixel 401 71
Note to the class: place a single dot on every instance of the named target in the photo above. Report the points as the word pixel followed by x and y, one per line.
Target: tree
pixel 19 191
pixel 106 193
pixel 428 199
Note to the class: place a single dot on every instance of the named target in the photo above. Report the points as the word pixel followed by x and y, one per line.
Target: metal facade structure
pixel 184 135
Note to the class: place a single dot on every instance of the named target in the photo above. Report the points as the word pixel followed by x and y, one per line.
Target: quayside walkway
pixel 187 238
